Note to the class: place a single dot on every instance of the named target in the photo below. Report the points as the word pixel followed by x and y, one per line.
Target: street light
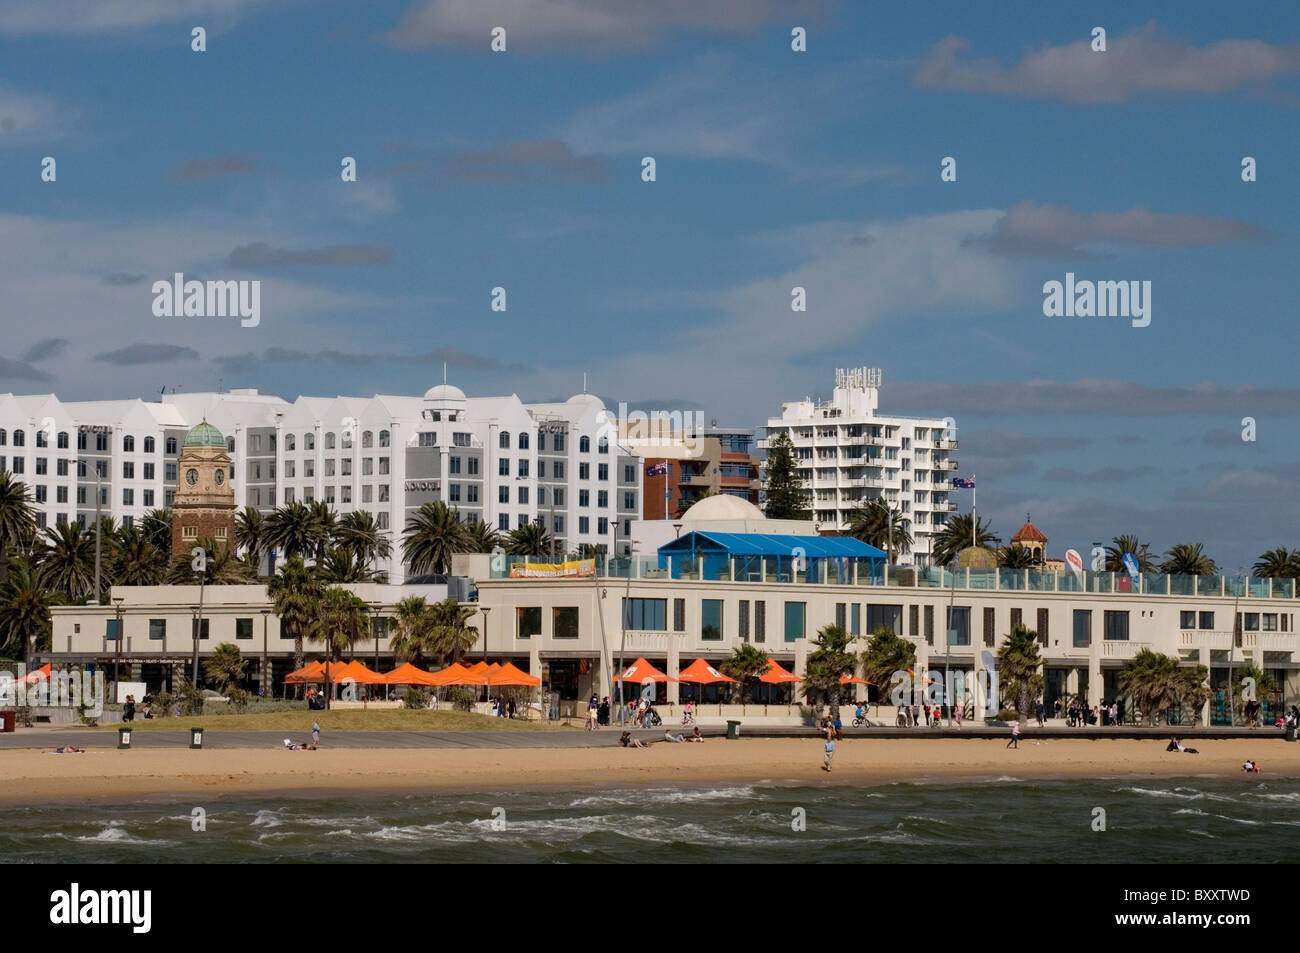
pixel 117 651
pixel 266 680
pixel 374 629
pixel 485 610
pixel 196 613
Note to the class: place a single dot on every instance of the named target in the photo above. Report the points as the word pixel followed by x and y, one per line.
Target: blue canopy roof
pixel 772 544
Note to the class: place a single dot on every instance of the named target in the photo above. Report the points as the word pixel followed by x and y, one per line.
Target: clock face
pixel 191 477
pixel 220 477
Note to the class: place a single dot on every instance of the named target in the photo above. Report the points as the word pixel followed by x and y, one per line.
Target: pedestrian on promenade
pixel 1015 736
pixel 315 732
pixel 1039 713
pixel 829 748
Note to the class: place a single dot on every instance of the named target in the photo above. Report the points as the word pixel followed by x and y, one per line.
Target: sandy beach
pixel 110 774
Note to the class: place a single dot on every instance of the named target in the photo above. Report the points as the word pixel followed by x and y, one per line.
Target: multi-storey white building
pixel 847 452
pixel 496 459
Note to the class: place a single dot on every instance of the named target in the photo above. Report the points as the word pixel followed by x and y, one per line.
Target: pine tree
pixel 785 491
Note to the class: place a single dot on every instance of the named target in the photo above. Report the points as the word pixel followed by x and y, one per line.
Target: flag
pixel 960 484
pixel 657 469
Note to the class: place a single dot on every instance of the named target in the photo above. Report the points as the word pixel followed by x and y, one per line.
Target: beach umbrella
pixel 854 680
pixel 642 671
pixel 702 673
pixel 35 675
pixel 776 675
pixel 408 674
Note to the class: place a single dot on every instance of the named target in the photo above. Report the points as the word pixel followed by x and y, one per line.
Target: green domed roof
pixel 205 435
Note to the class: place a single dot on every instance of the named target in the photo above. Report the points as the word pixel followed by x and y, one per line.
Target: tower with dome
pixel 204 505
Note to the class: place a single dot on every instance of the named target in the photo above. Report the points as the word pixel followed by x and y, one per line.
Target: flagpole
pixel 973 518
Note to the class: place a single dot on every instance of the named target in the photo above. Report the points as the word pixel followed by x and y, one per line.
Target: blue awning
pixel 772 544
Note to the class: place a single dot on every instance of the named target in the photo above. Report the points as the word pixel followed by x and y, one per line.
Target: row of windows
pixel 83 441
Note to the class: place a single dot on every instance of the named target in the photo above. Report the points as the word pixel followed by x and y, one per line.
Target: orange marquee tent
pixel 408 674
pixel 776 675
pixel 701 672
pixel 509 675
pixel 854 680
pixel 35 675
pixel 356 673
pixel 314 672
pixel 450 675
pixel 642 671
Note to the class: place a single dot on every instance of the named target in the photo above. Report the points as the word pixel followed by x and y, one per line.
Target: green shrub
pixel 462 699
pixel 417 698
pixel 188 696
pixel 237 699
pixel 1007 714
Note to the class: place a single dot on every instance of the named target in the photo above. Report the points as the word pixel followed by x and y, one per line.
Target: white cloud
pixel 25 117
pixel 76 17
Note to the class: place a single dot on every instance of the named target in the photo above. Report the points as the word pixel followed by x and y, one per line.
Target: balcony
pixel 1200 638
pixel 943 507
pixel 944 465
pixel 1270 641
pixel 945 445
pixel 1122 650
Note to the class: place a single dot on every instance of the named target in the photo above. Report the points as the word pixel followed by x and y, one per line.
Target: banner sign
pixel 1074 562
pixel 575 567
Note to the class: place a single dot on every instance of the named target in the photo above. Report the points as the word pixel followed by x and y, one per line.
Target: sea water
pixel 1006 819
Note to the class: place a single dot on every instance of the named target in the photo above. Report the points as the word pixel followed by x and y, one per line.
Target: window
pixel 528 622
pixel 471 492
pixel 629 501
pixel 454 494
pixel 523 496
pixel 795 617
pixel 4 437
pixel 309 468
pixel 383 466
pixel 157 630
pixel 557 469
pixel 347 468
pixel 200 626
pixel 367 493
pixel 43 466
pixel 40 493
pixel 503 522
pixel 503 466
pixel 603 445
pixel 1207 620
pixel 148 497
pixel 329 466
pixel 629 474
pixel 1252 621
pixel 459 439
pixel 60 494
pixel 20 439
pixel 523 440
pixel 17 465
pixel 128 470
pixel 564 622
pixel 60 467
pixel 541 469
pixel 959 625
pixel 584 498
pixel 760 621
pixel 602 526
pixel 541 496
pixel 711 620
pixel 557 442
pixel 290 469
pixel 1187 620
pixel 289 442
pixel 1115 626
pixel 990 632
pixel 602 471
pixel 558 494
pixel 742 628
pixel 584 445
pixel 890 616
pixel 855 619
pixel 559 525
pixel 541 440
pixel 1044 621
pixel 929 624
pixel 41 440
pixel 169 472
pixel 602 499
pixel 504 440
pixel 367 439
pixel 650 615
pixel 329 441
pixel 584 525
pixel 503 494
pixel 170 445
pixel 309 441
pixel 584 471
pixel 128 497
pixel 1270 621
pixel 472 464
pixel 243 628
pixel 428 439
pixel 453 464
pixel 523 467
pixel 148 471
pixel 679 615
pixel 383 438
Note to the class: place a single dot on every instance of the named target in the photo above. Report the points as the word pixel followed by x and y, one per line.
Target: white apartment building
pixel 847 452
pixel 495 458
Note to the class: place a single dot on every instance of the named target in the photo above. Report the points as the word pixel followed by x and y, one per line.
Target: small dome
pixel 724 506
pixel 585 399
pixel 444 392
pixel 205 435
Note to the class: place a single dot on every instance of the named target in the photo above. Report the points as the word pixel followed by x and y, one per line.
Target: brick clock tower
pixel 204 505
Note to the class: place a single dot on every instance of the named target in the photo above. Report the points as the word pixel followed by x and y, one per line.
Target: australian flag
pixel 960 484
pixel 657 469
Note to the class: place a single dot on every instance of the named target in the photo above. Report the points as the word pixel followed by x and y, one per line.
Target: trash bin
pixel 733 729
pixel 9 718
pixel 124 737
pixel 1290 729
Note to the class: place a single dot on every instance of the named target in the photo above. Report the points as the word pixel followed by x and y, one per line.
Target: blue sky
pixel 820 169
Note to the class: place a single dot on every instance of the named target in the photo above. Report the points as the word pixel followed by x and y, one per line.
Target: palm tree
pixel 296 591
pixel 1016 556
pixel 432 536
pixel 290 529
pixel 480 537
pixel 956 536
pixel 359 533
pixel 17 518
pixel 1155 682
pixel 225 666
pixel 1263 684
pixel 1017 666
pixel 886 653
pixel 135 561
pixel 1129 544
pixel 451 632
pixel 223 567
pixel 1188 559
pixel 250 535
pixel 746 664
pixel 830 662
pixel 879 524
pixel 324 521
pixel 25 600
pixel 342 621
pixel 1280 563
pixel 413 639
pixel 531 539
pixel 342 565
pixel 157 529
pixel 68 559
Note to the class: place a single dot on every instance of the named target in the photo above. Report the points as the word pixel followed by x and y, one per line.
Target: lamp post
pixel 947 646
pixel 623 614
pixel 198 623
pixel 266 672
pixel 485 610
pixel 374 629
pixel 117 650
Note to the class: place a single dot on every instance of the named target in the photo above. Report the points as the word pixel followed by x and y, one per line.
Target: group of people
pixel 628 741
pixel 914 716
pixel 597 712
pixel 1079 715
pixel 128 708
pixel 503 707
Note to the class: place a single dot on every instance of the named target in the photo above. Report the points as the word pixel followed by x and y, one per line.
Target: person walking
pixel 1015 736
pixel 315 732
pixel 829 748
pixel 1039 712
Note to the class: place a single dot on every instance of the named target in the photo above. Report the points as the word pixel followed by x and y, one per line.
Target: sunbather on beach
pixel 627 741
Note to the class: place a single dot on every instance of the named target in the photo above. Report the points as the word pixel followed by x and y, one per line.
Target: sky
pixel 522 169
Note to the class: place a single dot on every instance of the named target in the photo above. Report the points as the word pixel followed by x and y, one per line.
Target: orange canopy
pixel 642 671
pixel 450 675
pixel 509 675
pixel 35 675
pixel 854 680
pixel 314 672
pixel 477 667
pixel 776 675
pixel 476 674
pixel 356 673
pixel 408 674
pixel 701 672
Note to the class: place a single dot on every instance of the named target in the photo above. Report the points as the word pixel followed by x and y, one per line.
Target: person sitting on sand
pixel 294 746
pixel 696 736
pixel 1176 744
pixel 627 741
pixel 1251 766
pixel 669 736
